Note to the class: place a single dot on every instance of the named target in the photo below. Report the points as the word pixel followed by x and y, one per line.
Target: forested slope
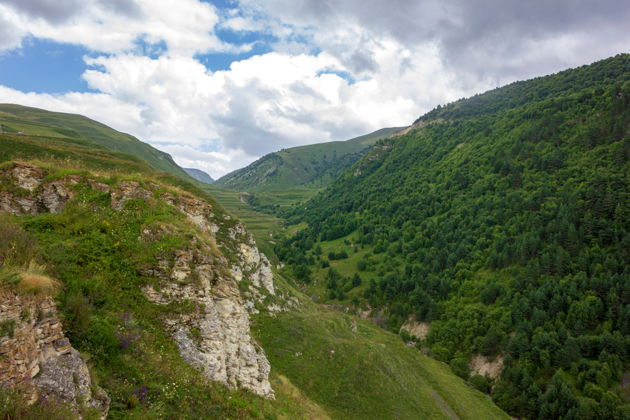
pixel 502 220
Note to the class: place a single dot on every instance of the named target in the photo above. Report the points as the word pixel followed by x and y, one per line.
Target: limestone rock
pixel 197 211
pixel 215 338
pixel 128 190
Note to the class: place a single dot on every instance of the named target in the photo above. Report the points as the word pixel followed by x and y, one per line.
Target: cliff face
pixel 37 357
pixel 208 276
pixel 215 336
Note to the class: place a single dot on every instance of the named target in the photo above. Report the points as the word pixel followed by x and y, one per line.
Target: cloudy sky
pixel 220 83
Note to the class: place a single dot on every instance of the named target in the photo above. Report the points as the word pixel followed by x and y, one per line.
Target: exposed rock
pixel 128 190
pixel 215 336
pixel 54 196
pixel 257 266
pixel 39 196
pixel 416 329
pixel 481 365
pixel 27 177
pixel 199 212
pixel 36 356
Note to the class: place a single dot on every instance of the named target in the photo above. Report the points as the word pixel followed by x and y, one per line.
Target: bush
pixel 482 383
pixel 459 366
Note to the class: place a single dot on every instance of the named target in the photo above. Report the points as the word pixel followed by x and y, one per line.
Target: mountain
pixel 131 293
pixel 496 231
pixel 312 166
pixel 39 122
pixel 199 175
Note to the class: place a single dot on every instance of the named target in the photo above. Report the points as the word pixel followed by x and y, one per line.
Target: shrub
pixel 482 383
pixel 17 247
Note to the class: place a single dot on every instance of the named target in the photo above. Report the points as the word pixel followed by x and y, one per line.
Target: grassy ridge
pixel 38 122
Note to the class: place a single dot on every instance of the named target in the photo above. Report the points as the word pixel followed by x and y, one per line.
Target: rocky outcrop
pixel 199 212
pixel 481 365
pixel 214 334
pixel 36 196
pixel 126 191
pixel 37 357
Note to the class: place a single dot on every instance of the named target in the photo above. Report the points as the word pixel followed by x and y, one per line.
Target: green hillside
pixel 313 166
pixel 99 256
pixel 502 221
pixel 38 122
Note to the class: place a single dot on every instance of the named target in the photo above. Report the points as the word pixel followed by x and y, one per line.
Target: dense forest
pixel 503 220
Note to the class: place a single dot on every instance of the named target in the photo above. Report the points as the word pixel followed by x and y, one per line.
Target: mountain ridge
pixel 310 166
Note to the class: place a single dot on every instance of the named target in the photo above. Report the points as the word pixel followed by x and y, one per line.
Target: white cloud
pixel 114 26
pixel 394 60
pixel 11 34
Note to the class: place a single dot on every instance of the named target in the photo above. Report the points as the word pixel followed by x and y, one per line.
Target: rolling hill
pixel 39 122
pixel 498 229
pixel 313 166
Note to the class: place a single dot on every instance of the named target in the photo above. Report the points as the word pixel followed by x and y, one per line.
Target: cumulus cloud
pixel 338 68
pixel 496 39
pixel 116 26
pixel 11 34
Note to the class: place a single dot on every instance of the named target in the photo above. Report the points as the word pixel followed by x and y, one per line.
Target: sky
pixel 218 84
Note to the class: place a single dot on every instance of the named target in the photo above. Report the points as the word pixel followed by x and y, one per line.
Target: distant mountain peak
pixel 199 175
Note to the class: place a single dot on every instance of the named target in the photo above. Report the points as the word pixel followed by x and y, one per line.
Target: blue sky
pixel 219 84
pixel 44 66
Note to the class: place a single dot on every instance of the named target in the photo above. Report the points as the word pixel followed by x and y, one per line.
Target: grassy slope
pixel 38 122
pixel 356 370
pixel 313 166
pixel 101 283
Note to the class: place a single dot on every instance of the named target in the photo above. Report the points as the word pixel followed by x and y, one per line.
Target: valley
pixel 471 266
pixel 171 310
